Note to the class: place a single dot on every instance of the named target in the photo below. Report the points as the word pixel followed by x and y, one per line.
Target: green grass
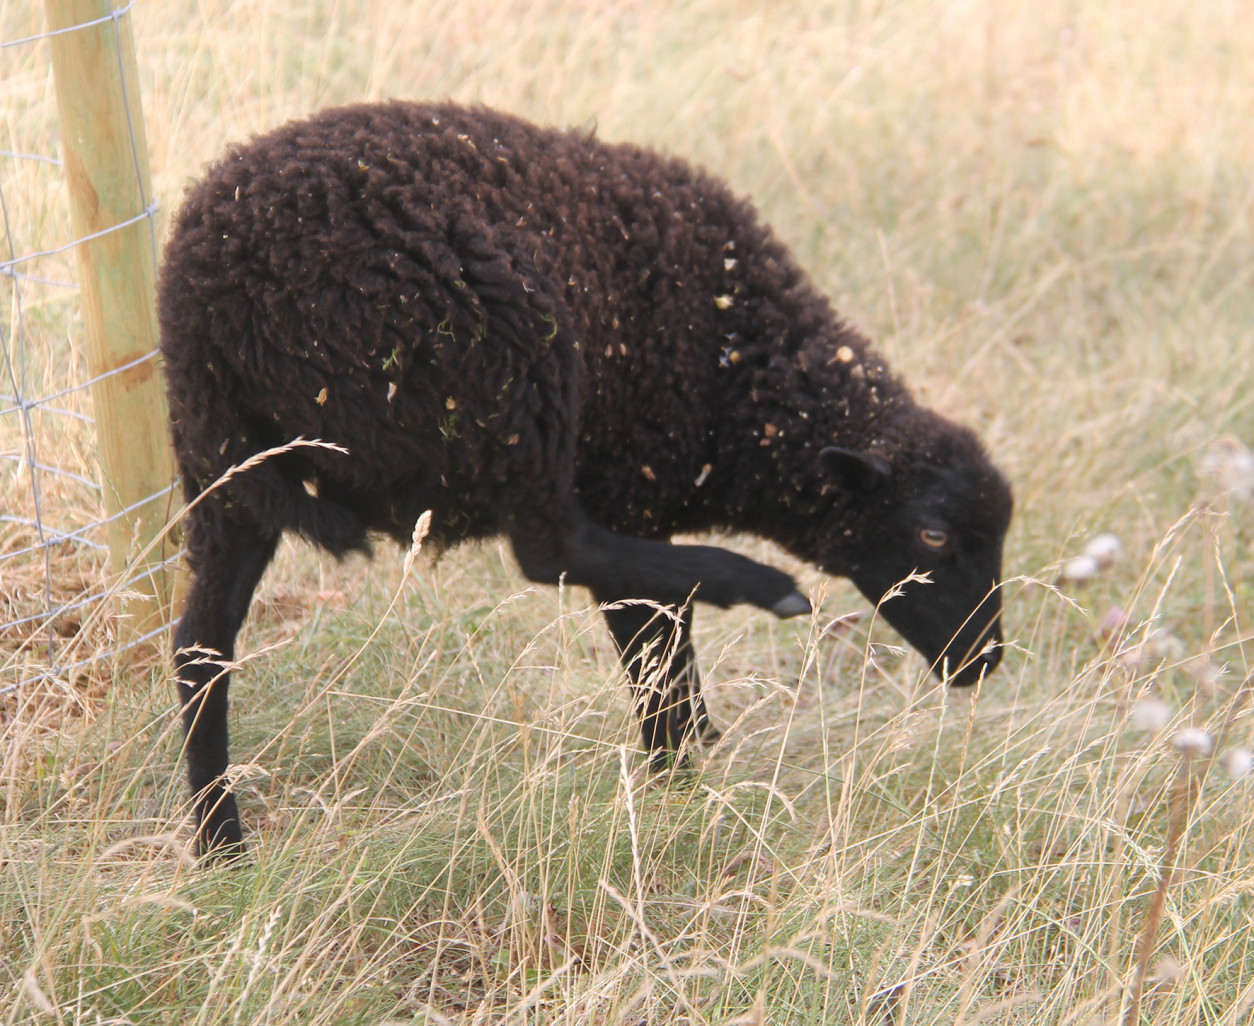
pixel 1045 218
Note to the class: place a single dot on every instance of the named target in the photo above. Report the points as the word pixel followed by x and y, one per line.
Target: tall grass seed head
pixel 1080 569
pixel 1192 741
pixel 1204 671
pixel 1104 549
pixel 1151 714
pixel 1227 466
pixel 1099 552
pixel 843 624
pixel 1237 762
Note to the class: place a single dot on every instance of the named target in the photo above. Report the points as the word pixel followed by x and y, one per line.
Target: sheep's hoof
pixel 220 841
pixel 666 768
pixel 223 855
pixel 792 604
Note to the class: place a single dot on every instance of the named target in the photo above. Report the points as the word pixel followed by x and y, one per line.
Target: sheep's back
pixel 390 277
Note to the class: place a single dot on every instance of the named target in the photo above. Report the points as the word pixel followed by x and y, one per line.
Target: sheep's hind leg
pixel 229 566
pixel 655 646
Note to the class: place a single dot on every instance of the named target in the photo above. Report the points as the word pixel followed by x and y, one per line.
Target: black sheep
pixel 585 347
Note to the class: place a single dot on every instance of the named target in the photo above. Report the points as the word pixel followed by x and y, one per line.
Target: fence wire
pixel 55 625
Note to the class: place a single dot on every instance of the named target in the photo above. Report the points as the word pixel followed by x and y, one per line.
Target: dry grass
pixel 1045 215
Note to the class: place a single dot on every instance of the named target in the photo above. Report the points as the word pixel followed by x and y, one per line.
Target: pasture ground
pixel 1044 215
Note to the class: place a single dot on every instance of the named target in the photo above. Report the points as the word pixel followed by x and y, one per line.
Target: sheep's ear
pixel 854 471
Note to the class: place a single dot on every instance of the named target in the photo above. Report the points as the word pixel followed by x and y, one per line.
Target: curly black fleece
pixel 585 347
pixel 480 310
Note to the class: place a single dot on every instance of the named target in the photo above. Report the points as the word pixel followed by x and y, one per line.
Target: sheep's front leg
pixel 229 565
pixel 549 547
pixel 655 646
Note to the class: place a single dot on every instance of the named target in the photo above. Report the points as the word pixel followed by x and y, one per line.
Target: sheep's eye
pixel 933 538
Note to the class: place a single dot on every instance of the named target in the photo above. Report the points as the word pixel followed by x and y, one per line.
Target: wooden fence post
pixel 106 165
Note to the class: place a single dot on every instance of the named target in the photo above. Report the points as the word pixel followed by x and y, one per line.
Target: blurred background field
pixel 1044 217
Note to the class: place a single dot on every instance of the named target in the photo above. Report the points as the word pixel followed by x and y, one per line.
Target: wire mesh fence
pixel 58 615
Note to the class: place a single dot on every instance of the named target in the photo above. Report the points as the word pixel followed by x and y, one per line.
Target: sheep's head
pixel 942 513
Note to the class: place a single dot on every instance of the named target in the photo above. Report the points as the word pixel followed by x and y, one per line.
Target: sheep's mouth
pixel 970 656
pixel 960 650
pixel 972 671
